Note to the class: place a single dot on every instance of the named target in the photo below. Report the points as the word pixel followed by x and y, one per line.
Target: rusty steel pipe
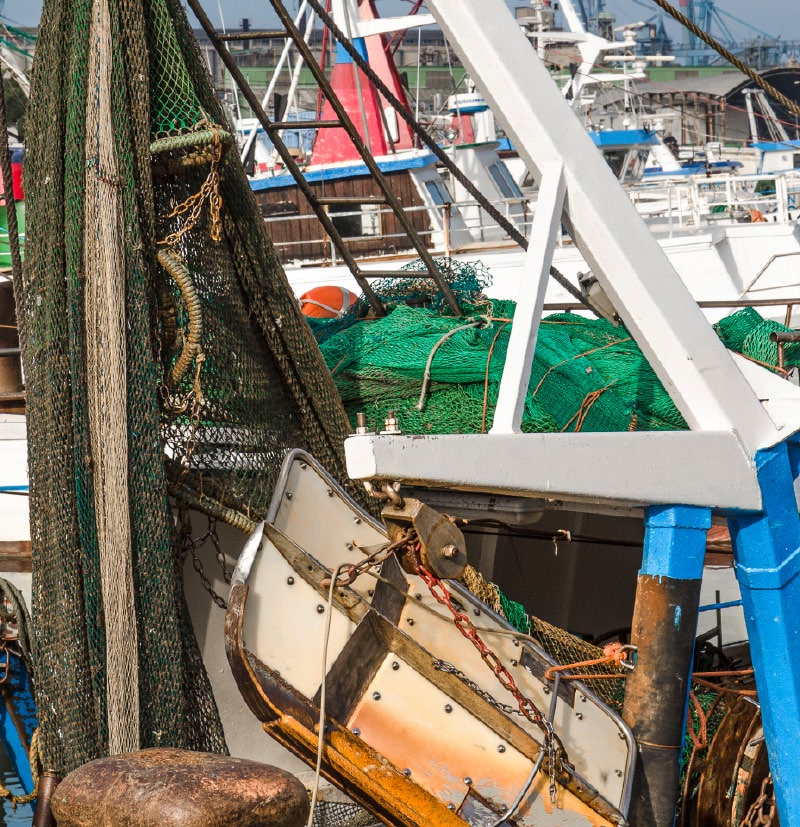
pixel 43 815
pixel 663 630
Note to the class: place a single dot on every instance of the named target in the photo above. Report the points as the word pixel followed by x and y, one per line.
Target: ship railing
pixel 773 197
pixel 481 228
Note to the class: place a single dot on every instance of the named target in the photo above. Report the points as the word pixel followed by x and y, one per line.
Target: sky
pixel 773 17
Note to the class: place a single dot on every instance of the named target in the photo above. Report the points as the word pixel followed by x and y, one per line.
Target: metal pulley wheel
pixel 443 550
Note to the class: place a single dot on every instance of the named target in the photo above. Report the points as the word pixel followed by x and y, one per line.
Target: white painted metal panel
pixel 706 469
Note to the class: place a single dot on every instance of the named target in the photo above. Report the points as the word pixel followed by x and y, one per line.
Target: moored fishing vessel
pixel 222 378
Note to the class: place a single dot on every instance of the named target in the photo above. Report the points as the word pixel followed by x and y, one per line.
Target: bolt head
pixel 451 552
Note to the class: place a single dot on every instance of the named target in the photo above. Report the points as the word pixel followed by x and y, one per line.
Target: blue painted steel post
pixel 767 557
pixel 664 628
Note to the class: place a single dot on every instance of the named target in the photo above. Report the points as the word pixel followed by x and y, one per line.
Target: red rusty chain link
pixel 552 743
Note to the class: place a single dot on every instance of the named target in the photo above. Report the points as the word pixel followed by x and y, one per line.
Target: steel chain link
pixel 763 810
pixel 555 750
pixel 507 709
pixel 190 544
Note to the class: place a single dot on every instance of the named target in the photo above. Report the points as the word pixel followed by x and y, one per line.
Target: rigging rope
pixel 792 106
pixel 442 156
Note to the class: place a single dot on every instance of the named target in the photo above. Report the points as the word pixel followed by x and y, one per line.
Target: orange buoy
pixel 327 302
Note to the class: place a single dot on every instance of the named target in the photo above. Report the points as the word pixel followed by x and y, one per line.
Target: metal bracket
pixel 443 549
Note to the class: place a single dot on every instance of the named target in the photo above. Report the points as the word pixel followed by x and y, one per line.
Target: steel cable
pixel 791 105
pixel 441 155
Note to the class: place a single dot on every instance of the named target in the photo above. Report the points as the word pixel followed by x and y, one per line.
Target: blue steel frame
pixel 766 550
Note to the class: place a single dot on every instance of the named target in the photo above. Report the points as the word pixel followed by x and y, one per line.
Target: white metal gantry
pixel 733 408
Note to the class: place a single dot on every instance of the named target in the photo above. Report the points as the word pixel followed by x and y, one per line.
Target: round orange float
pixel 327 302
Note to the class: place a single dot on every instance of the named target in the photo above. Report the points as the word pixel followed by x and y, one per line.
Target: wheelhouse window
pixel 505 183
pixel 441 195
pixel 356 220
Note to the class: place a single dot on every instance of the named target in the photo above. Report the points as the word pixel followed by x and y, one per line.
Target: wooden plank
pixel 15 555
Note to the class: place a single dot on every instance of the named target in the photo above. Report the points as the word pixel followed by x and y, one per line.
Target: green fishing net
pixel 587 374
pixel 144 236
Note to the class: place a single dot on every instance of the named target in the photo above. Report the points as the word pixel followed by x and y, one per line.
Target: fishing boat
pixel 357 644
pixel 729 236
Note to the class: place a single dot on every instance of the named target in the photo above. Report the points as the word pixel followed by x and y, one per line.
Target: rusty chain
pixel 371 561
pixel 209 191
pixel 763 810
pixel 555 750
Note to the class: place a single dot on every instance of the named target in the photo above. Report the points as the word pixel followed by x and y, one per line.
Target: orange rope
pixel 578 356
pixel 613 653
pixel 702 719
pixel 748 693
pixel 585 407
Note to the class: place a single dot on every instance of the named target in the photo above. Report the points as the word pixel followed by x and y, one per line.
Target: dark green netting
pixel 212 435
pixel 587 375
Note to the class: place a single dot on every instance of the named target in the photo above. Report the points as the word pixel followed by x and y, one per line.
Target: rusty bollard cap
pixel 165 787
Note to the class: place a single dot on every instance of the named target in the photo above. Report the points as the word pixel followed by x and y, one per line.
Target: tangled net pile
pixel 587 375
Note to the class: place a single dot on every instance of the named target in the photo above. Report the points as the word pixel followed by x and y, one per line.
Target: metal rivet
pixel 261 546
pixel 357 520
pixel 503 808
pixel 289 495
pixel 516 643
pixel 290 581
pixel 406 771
pixel 395 665
pixel 546 690
pixel 583 699
pixel 370 592
pixel 356 732
pixel 621 736
pixel 330 492
pixel 619 773
pixel 514 663
pixel 320 609
pixel 349 546
pixel 451 806
pixel 467 780
pixel 448 708
pixel 476 612
pixel 304 465
pixel 579 715
pixel 418 596
pixel 411 621
pixel 501 748
pixel 376 696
